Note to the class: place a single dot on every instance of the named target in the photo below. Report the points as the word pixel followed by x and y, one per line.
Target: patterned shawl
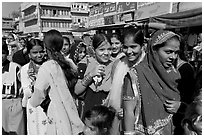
pixel 32 72
pixel 156 86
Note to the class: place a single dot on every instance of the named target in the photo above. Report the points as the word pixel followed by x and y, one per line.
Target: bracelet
pixel 86 80
pixel 129 132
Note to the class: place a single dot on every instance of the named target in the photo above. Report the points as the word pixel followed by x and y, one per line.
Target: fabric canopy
pixel 188 18
pixel 80 29
pixel 110 26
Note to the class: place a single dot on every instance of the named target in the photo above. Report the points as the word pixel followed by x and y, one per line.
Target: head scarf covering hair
pixel 161 36
pixel 74 54
pixel 156 86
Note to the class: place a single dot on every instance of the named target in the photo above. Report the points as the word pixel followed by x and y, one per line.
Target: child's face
pixel 89 129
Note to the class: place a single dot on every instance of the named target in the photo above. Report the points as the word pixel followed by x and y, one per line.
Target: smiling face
pixel 132 50
pixel 116 45
pixel 103 52
pixel 169 52
pixel 37 54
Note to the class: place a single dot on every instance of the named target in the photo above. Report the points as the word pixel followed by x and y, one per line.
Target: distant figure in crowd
pixel 87 39
pixel 10 38
pixel 14 47
pixel 94 82
pixel 13 117
pixel 155 94
pixel 79 52
pixel 71 38
pixel 116 46
pixel 21 56
pixel 54 76
pixel 22 43
pixel 66 52
pixel 133 48
pixel 36 118
pixel 98 121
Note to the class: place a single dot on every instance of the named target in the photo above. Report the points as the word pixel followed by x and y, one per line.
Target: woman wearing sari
pixel 54 78
pixel 36 118
pixel 153 99
pixel 133 48
pixel 93 84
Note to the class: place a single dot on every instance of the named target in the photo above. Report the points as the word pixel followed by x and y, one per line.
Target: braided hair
pixel 53 41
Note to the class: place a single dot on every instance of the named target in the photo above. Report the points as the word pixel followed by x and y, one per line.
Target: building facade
pixel 39 17
pixel 80 14
pixel 7 25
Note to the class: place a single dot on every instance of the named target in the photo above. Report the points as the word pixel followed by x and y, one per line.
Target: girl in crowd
pixel 116 46
pixel 54 80
pixel 98 120
pixel 36 118
pixel 78 52
pixel 154 97
pixel 94 76
pixel 133 48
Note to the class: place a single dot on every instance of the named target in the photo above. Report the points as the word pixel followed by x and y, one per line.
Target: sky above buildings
pixel 9 7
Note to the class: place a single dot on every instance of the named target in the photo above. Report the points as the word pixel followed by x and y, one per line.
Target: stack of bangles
pixel 86 80
pixel 129 132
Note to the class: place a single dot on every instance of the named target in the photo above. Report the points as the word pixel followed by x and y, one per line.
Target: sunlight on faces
pixel 37 54
pixel 103 52
pixel 132 49
pixel 169 52
pixel 116 45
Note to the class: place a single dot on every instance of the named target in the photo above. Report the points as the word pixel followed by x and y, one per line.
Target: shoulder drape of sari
pixel 67 120
pixel 156 86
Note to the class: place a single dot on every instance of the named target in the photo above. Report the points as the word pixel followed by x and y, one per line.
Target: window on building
pixel 54 12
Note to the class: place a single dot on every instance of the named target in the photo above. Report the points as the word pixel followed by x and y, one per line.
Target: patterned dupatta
pixel 32 73
pixel 156 86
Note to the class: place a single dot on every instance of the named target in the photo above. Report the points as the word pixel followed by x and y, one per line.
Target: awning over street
pixel 188 18
pixel 80 30
pixel 107 27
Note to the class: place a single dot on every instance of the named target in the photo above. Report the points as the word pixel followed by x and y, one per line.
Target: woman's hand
pixel 172 106
pixel 120 113
pixel 98 71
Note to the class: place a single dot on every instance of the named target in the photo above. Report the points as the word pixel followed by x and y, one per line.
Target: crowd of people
pixel 123 84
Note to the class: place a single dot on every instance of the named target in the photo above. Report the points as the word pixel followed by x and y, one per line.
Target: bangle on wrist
pixel 129 132
pixel 86 80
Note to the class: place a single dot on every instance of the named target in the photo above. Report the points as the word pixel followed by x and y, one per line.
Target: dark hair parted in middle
pixel 98 39
pixel 34 42
pixel 137 34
